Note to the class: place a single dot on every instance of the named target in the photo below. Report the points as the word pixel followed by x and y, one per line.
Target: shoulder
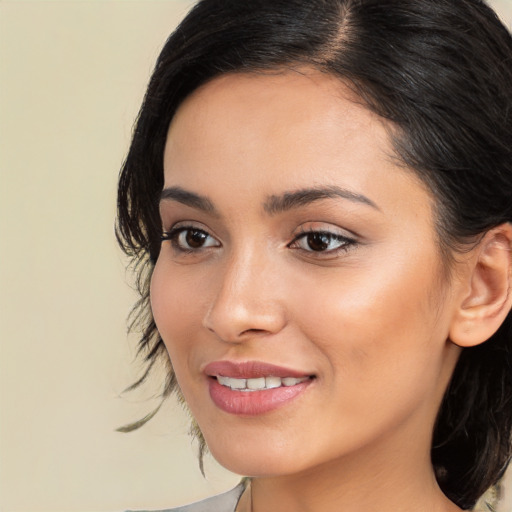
pixel 225 502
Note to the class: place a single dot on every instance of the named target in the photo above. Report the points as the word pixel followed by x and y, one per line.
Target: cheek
pixel 175 304
pixel 378 329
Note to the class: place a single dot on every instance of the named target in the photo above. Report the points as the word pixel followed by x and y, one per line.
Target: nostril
pixel 253 331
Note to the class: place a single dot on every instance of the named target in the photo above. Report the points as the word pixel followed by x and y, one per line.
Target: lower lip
pixel 252 403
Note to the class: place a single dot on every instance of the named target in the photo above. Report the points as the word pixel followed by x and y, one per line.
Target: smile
pixel 260 383
pixel 252 388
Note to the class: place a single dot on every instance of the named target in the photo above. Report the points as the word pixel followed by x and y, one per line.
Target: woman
pixel 318 200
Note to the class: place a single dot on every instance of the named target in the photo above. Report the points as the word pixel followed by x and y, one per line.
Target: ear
pixel 486 289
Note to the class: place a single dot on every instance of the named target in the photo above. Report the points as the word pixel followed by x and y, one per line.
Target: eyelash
pixel 323 236
pixel 174 234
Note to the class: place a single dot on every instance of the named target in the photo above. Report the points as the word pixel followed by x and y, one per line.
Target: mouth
pixel 253 388
pixel 253 370
pixel 259 383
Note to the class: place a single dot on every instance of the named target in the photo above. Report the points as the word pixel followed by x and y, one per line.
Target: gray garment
pixel 225 502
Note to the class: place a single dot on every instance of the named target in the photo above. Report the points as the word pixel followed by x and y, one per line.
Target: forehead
pixel 280 131
pixel 287 107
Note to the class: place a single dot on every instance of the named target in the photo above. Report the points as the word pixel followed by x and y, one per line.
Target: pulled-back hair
pixel 440 71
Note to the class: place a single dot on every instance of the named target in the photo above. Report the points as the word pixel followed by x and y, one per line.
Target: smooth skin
pixel 346 284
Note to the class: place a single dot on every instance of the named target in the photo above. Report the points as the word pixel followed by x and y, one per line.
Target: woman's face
pixel 299 289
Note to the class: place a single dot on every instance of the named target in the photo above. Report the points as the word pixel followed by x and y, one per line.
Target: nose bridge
pixel 246 300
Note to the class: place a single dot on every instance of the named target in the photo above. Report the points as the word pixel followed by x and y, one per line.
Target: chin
pixel 257 467
pixel 255 459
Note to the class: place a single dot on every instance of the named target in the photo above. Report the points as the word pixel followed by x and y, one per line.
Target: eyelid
pixel 325 227
pixel 187 224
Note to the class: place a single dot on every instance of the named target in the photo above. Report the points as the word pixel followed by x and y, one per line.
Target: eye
pixel 321 242
pixel 188 238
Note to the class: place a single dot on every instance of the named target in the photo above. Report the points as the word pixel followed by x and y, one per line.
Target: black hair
pixel 440 71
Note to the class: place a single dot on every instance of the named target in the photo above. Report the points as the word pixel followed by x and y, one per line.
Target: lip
pixel 252 403
pixel 250 370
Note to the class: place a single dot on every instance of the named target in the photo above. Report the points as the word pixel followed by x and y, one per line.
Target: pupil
pixel 318 241
pixel 195 238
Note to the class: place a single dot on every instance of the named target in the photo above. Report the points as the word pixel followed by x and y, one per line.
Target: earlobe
pixel 487 295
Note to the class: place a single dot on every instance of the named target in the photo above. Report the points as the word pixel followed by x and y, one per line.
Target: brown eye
pixel 322 242
pixel 195 238
pixel 190 239
pixel 318 241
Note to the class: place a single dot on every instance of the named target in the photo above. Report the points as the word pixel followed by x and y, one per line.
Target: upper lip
pixel 250 370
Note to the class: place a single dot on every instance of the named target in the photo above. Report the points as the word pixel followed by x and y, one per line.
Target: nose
pixel 246 302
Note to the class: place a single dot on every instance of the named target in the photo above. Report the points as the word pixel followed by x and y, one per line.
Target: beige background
pixel 72 75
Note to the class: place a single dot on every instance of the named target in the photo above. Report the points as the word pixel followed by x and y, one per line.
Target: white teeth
pixel 259 383
pixel 290 381
pixel 232 383
pixel 272 382
pixel 256 383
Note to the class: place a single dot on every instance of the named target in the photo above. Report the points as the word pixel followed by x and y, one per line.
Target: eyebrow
pixel 303 197
pixel 275 203
pixel 188 198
